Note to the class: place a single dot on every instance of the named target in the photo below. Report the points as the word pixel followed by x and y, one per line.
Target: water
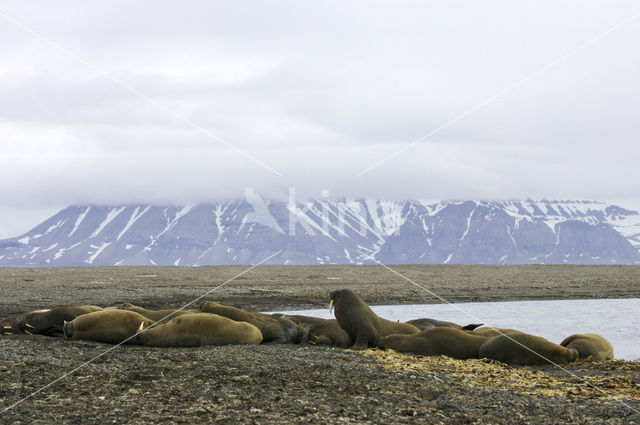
pixel 615 319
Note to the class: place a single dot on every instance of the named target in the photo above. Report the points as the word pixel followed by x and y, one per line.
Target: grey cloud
pixel 318 92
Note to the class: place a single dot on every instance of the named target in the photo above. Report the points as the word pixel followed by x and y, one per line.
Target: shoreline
pixel 271 288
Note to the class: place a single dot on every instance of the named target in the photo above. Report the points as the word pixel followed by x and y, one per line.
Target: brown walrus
pixel 329 332
pixel 427 323
pixel 112 326
pixel 435 342
pixel 361 323
pixel 587 345
pixel 320 331
pixel 197 329
pixel 155 315
pixel 271 329
pixel 294 331
pixel 47 322
pixel 491 331
pixel 523 349
pixel 303 320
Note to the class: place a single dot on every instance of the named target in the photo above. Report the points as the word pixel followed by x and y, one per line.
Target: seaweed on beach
pixel 585 380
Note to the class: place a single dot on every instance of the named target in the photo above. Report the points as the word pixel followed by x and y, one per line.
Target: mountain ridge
pixel 332 231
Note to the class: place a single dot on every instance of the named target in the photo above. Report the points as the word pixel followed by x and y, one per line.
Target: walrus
pixel 329 332
pixel 523 349
pixel 295 332
pixel 361 323
pixel 491 331
pixel 303 320
pixel 48 321
pixel 271 329
pixel 427 323
pixel 435 342
pixel 587 345
pixel 155 315
pixel 111 326
pixel 197 329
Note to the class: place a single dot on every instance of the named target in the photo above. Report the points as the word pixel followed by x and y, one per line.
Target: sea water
pixel 615 319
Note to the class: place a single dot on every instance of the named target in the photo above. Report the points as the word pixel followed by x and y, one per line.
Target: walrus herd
pixel 355 326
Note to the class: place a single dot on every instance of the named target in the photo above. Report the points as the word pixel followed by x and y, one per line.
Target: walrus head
pixel 333 296
pixel 10 325
pixel 381 343
pixel 67 329
pixel 573 355
pixel 389 341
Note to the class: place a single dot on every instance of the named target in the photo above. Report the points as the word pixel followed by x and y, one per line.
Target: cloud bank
pixel 318 93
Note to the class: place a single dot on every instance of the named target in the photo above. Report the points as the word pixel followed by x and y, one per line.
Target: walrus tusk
pixel 26 325
pixel 141 327
pixel 27 332
pixel 8 326
pixel 330 306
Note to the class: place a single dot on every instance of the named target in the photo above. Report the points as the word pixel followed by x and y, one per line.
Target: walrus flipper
pixel 361 343
pixel 471 326
pixel 366 336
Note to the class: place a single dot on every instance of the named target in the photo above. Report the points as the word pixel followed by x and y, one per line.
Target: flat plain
pixel 296 287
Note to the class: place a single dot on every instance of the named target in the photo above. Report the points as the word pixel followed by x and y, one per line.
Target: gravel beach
pixel 305 383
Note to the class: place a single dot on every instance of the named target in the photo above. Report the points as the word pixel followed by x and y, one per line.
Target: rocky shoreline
pixel 298 383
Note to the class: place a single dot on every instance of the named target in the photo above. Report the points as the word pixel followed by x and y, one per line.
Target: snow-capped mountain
pixel 338 231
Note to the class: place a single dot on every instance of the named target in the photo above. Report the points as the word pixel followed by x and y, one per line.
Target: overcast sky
pixel 183 102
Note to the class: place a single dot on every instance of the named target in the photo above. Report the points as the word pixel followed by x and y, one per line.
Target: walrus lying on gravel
pixel 427 323
pixel 311 328
pixel 523 349
pixel 587 345
pixel 111 326
pixel 155 315
pixel 437 341
pixel 272 330
pixel 329 332
pixel 49 321
pixel 197 329
pixel 361 323
pixel 294 331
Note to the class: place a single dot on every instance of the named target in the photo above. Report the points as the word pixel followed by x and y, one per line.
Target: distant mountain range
pixel 339 231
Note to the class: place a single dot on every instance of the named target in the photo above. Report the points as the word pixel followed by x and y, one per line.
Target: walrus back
pixel 155 315
pixel 523 349
pixel 270 328
pixel 388 327
pixel 435 342
pixel 586 345
pixel 198 329
pixel 110 326
pixel 51 321
pixel 426 323
pixel 490 331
